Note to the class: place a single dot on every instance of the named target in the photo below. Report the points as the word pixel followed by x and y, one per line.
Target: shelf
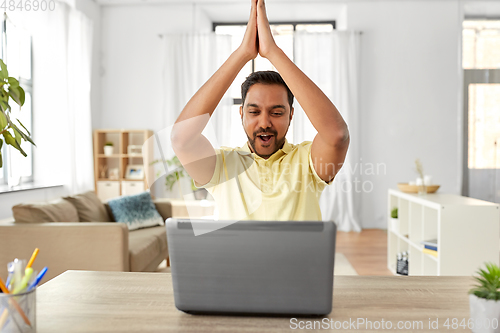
pixel 109 156
pixel 430 256
pixel 117 163
pixel 450 219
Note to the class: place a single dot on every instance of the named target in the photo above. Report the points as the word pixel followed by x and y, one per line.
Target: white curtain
pixel 62 130
pixel 190 60
pixel 331 60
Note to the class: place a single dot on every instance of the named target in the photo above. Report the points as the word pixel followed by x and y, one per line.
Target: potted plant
pixel 177 174
pixel 484 300
pixel 108 148
pixel 12 134
pixel 394 220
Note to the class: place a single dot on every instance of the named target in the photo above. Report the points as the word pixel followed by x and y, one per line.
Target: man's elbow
pixel 175 139
pixel 341 139
pixel 179 140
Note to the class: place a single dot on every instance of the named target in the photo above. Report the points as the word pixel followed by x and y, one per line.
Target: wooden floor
pixel 365 250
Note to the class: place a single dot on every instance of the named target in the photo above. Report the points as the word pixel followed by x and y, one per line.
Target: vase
pixel 108 150
pixel 421 187
pixel 484 315
pixel 394 224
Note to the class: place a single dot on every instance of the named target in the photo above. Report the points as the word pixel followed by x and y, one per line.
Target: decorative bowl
pixel 405 187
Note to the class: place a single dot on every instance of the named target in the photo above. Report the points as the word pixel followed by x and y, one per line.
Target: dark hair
pixel 264 77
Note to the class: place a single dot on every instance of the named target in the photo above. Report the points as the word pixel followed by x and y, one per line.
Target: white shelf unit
pixel 107 187
pixel 466 229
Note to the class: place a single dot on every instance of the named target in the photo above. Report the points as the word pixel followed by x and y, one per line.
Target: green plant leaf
pixel 13 82
pixel 14 93
pixel 5 106
pixel 5 73
pixel 22 95
pixel 17 136
pixel 8 138
pixel 488 282
pixel 20 123
pixel 9 122
pixel 3 121
pixel 11 141
pixel 1 162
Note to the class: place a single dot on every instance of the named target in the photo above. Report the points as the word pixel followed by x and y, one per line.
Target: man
pixel 267 178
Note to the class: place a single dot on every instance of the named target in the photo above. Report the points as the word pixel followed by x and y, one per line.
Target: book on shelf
pixel 431 252
pixel 430 242
pixel 434 248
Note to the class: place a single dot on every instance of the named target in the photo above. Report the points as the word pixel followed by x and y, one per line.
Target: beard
pixel 278 142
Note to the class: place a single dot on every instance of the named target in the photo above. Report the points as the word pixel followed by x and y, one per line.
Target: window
pixel 283 35
pixel 16 52
pixel 481 44
pixel 481 64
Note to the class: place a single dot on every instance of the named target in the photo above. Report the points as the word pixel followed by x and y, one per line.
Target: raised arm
pixel 194 150
pixel 330 145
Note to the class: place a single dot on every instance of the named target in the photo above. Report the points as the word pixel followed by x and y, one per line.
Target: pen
pixel 24 282
pixel 10 269
pixel 33 257
pixel 3 318
pixel 38 279
pixel 18 273
pixel 14 303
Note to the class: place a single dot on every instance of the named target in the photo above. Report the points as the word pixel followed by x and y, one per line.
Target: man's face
pixel 266 117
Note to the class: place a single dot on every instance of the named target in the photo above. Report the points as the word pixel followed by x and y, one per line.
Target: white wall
pixel 93 12
pixel 132 66
pixel 10 199
pixel 409 95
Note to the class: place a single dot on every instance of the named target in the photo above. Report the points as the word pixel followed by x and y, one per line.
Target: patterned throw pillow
pixel 137 211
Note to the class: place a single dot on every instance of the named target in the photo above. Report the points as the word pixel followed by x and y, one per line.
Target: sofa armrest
pixel 164 207
pixel 99 246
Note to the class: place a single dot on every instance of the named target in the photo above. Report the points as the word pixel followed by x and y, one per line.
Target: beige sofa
pixel 99 246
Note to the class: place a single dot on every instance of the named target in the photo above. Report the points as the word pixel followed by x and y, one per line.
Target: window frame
pixel 27 85
pixel 238 101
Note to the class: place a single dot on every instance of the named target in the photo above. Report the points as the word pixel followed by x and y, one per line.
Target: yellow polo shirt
pixel 284 187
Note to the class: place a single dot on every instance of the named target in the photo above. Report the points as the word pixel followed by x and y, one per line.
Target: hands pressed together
pixel 258 38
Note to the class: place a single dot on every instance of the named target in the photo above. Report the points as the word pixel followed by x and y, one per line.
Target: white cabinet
pixel 466 229
pixel 131 187
pixel 108 190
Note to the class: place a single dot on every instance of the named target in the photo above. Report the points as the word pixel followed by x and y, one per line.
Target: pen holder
pixel 18 312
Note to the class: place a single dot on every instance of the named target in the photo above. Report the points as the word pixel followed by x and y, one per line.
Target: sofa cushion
pixel 145 245
pixel 137 211
pixel 163 206
pixel 89 207
pixel 58 210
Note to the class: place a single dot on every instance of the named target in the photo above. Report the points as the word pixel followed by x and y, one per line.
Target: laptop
pixel 252 267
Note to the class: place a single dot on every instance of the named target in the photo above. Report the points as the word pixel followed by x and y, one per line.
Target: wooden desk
pixel 82 301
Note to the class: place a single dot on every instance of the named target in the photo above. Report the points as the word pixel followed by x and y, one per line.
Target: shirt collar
pixel 287 148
